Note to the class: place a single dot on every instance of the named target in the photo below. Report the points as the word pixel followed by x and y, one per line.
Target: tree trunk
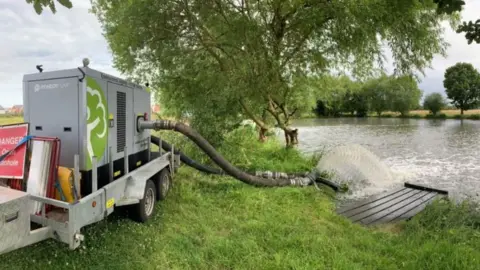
pixel 261 134
pixel 461 111
pixel 291 136
pixel 263 128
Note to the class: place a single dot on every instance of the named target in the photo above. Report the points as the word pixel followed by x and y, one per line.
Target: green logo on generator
pixel 97 119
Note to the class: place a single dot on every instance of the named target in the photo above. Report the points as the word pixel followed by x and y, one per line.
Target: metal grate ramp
pixel 399 204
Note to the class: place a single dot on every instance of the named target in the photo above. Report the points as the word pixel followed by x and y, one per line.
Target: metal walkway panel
pixel 399 204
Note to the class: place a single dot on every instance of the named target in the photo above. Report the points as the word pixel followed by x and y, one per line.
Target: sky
pixel 62 40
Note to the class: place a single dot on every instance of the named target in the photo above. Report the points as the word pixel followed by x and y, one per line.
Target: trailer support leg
pixel 94 174
pixel 110 163
pixel 125 161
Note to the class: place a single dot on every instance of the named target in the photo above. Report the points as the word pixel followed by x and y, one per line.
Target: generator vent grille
pixel 121 121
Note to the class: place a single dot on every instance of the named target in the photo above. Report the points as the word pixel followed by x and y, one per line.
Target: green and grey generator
pixel 93 114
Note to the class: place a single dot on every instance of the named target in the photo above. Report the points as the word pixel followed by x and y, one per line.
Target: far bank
pixel 425 114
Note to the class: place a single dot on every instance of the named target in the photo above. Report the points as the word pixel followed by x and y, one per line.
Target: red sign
pixel 13 165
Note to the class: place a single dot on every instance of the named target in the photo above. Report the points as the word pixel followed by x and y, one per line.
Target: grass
pixel 211 222
pixel 444 114
pixel 7 119
pixel 242 149
pixel 450 113
pixel 424 114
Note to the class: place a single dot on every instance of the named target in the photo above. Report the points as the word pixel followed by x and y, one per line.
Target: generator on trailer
pixel 103 158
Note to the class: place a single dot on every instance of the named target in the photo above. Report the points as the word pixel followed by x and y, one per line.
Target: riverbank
pixel 444 114
pixel 211 222
pixel 416 114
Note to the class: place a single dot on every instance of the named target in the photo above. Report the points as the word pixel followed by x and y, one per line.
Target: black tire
pixel 163 182
pixel 142 211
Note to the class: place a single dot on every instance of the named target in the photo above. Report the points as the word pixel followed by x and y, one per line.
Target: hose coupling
pixel 303 181
pixel 164 124
pixel 157 124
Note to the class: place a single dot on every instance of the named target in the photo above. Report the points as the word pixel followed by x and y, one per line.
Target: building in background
pixel 2 110
pixel 156 108
pixel 16 110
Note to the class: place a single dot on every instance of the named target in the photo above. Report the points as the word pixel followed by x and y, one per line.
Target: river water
pixel 439 153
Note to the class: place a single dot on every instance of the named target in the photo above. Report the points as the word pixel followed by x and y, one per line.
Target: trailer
pixel 84 157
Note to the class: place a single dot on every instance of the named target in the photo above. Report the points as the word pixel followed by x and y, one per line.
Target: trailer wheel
pixel 142 211
pixel 163 182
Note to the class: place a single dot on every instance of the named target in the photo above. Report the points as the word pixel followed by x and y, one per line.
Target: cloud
pixel 62 40
pixel 56 41
pixel 459 51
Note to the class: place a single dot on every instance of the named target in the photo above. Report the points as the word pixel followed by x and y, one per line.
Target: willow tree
pixel 470 28
pixel 247 53
pixel 378 91
pixel 39 5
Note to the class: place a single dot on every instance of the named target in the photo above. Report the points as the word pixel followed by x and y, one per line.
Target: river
pixel 439 153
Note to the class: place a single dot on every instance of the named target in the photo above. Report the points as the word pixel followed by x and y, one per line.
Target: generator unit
pixel 93 114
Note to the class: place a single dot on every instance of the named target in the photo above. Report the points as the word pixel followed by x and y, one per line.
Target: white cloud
pixel 63 39
pixel 459 51
pixel 56 41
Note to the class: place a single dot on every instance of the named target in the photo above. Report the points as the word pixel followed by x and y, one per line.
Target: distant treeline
pixel 401 94
pixel 341 95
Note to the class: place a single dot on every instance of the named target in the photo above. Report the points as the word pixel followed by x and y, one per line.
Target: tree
pixel 39 5
pixel 355 99
pixel 254 50
pixel 462 84
pixel 434 102
pixel 377 91
pixel 331 92
pixel 257 48
pixel 471 29
pixel 404 94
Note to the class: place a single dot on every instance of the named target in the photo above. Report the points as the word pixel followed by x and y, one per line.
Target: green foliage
pixel 434 102
pixel 378 93
pixel 39 5
pixel 462 85
pixel 404 94
pixel 205 54
pixel 338 95
pixel 474 116
pixel 241 148
pixel 437 116
pixel 471 29
pixel 355 100
pixel 331 92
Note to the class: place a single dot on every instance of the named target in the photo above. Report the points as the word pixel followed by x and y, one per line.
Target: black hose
pixel 219 159
pixel 209 170
pixel 185 159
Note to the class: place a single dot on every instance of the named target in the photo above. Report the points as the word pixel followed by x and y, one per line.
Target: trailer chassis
pixel 66 221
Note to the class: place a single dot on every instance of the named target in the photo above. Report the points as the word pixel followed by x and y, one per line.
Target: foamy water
pixel 439 153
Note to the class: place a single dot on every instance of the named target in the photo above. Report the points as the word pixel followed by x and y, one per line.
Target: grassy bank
pixel 7 119
pixel 416 114
pixel 211 222
pixel 444 114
